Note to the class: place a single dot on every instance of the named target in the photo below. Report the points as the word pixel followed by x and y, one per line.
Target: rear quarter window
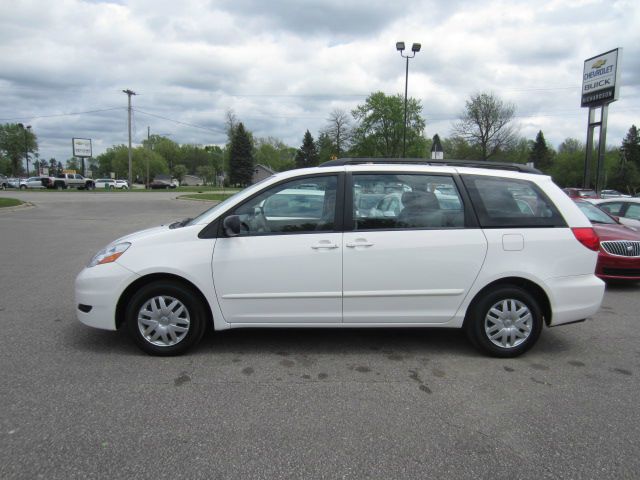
pixel 511 203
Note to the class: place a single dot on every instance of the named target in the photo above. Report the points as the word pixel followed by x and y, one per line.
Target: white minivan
pixel 506 254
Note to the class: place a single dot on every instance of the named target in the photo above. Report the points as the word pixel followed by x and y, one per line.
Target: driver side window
pixel 300 206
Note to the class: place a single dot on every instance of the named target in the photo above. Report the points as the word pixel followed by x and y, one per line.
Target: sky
pixel 282 66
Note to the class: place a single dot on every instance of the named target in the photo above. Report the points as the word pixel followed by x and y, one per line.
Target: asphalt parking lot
pixel 389 404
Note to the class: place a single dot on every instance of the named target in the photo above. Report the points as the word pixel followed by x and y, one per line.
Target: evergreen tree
pixel 241 161
pixel 540 154
pixel 326 151
pixel 307 155
pixel 630 150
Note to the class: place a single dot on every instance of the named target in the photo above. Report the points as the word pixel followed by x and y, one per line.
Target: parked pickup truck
pixel 73 180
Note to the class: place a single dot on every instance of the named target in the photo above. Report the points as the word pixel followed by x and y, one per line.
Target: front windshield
pixel 222 205
pixel 594 214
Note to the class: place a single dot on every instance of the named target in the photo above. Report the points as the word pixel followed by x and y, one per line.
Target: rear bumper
pixel 574 298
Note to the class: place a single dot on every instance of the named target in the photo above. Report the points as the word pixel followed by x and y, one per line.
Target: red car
pixel 619 254
pixel 580 192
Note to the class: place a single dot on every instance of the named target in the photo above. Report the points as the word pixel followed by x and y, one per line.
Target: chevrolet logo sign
pixel 599 63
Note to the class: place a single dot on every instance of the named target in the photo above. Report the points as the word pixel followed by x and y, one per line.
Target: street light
pixel 26 149
pixel 415 48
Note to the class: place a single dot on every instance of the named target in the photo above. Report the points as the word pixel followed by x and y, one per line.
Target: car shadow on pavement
pixel 404 342
pixel 409 341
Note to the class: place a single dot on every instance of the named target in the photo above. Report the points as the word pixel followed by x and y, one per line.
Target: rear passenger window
pixel 507 203
pixel 612 208
pixel 633 211
pixel 391 201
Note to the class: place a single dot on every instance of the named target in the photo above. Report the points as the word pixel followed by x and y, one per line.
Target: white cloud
pixel 283 66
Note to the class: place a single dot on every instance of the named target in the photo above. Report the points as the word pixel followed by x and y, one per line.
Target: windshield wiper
pixel 180 223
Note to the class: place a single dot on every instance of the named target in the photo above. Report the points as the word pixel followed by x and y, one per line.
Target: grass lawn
pixel 10 202
pixel 212 197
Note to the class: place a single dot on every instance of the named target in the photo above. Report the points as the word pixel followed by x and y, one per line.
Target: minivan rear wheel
pixel 166 318
pixel 506 322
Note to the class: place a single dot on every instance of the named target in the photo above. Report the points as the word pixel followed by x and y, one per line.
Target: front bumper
pixel 574 298
pixel 99 288
pixel 618 268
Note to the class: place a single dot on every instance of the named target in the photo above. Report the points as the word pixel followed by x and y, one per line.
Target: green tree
pixel 5 165
pixel 179 171
pixel 207 173
pixel 459 149
pixel 53 167
pixel 105 161
pixel 487 122
pixel 166 148
pixel 540 154
pixel 380 128
pixel 73 164
pixel 216 158
pixel 630 149
pixel 307 155
pixel 568 167
pixel 571 145
pixel 116 160
pixel 275 154
pixel 15 141
pixel 192 157
pixel 325 148
pixel 241 162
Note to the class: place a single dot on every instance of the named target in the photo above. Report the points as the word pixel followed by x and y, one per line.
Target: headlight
pixel 109 254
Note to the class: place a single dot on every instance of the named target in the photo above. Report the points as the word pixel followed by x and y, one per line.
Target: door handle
pixel 327 245
pixel 359 243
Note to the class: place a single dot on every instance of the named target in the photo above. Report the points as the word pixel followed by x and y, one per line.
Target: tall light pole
pixel 415 48
pixel 26 148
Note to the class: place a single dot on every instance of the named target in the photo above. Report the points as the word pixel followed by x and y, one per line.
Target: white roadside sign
pixel 601 78
pixel 82 147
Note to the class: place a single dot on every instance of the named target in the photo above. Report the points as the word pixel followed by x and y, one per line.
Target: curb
pixel 182 197
pixel 17 207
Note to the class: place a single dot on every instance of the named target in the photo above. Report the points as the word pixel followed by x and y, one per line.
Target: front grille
pixel 622 248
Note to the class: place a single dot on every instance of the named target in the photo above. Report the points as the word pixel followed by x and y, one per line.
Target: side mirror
pixel 231 225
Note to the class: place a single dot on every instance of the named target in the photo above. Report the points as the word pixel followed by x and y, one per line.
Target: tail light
pixel 588 237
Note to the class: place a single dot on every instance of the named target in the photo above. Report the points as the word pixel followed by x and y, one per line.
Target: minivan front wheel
pixel 506 322
pixel 165 318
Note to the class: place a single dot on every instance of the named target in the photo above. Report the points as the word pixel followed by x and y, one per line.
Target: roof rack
pixel 517 167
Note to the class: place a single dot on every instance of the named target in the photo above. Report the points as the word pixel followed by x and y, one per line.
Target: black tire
pixel 23 187
pixel 193 306
pixel 479 322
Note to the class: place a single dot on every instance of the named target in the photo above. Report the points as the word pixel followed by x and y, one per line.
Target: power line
pixel 179 122
pixel 60 114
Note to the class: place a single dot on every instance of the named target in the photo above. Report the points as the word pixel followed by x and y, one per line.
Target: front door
pixel 286 264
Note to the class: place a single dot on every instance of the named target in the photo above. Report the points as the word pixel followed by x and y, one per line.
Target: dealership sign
pixel 82 147
pixel 601 79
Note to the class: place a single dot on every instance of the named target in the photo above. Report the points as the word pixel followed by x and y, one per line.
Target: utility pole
pixel 129 93
pixel 149 145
